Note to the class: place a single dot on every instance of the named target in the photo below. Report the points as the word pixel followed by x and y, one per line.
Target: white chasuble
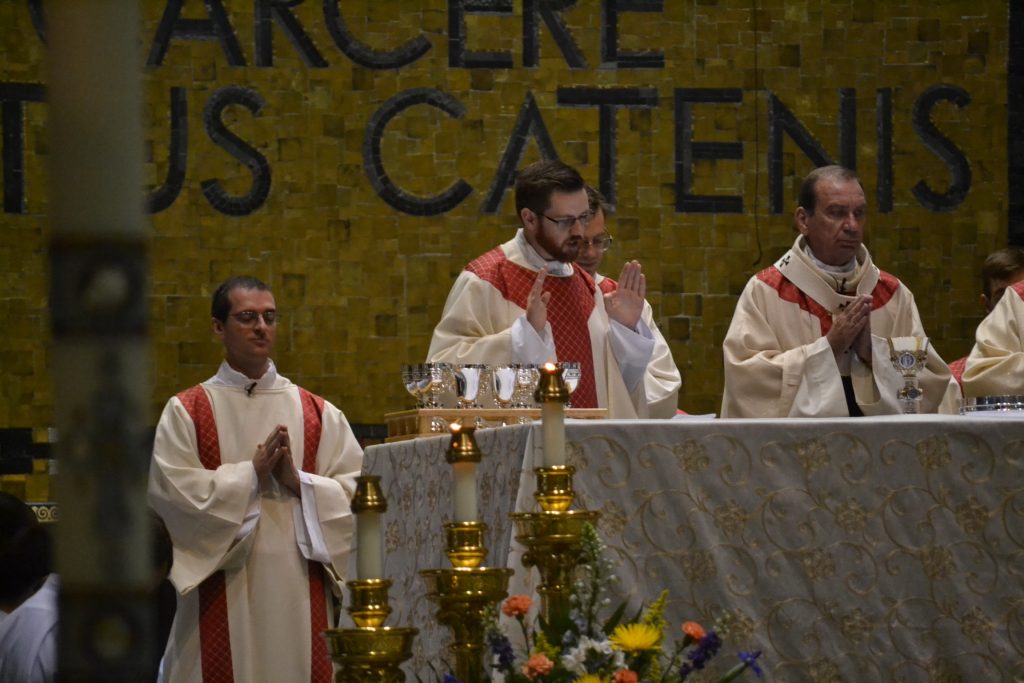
pixel 778 362
pixel 995 366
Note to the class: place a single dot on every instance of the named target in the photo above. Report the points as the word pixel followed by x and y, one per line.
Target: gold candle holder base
pixel 369 601
pixel 554 488
pixel 465 543
pixel 463 595
pixel 370 654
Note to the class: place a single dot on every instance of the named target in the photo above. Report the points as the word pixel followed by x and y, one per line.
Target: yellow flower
pixel 591 678
pixel 635 637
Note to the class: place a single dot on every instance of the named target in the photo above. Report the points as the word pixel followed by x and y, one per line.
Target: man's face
pixel 998 288
pixel 247 346
pixel 590 256
pixel 545 235
pixel 836 228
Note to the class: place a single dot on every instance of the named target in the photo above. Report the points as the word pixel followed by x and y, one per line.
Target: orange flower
pixel 625 676
pixel 517 605
pixel 694 630
pixel 537 665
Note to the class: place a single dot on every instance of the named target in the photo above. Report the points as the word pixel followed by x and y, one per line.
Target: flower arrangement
pixel 583 648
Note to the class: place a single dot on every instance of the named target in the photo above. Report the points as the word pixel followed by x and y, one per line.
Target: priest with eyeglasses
pixel 527 301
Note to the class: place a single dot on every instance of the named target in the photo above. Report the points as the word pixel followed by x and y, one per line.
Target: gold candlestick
pixel 464 592
pixel 552 539
pixel 371 651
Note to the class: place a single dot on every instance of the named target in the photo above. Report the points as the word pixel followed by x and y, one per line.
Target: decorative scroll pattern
pixel 883 550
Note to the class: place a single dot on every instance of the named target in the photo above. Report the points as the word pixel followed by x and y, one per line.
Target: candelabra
pixel 370 651
pixel 464 592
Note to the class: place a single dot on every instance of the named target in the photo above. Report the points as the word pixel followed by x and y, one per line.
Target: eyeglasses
pixel 249 318
pixel 601 243
pixel 569 221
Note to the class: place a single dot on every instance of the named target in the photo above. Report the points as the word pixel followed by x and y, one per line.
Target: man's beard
pixel 565 252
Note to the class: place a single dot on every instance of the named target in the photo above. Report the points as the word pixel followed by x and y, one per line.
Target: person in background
pixel 253 477
pixel 662 380
pixel 1001 269
pixel 809 337
pixel 995 366
pixel 28 597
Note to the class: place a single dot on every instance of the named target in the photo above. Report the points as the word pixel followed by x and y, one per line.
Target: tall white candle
pixel 465 491
pixel 369 546
pixel 553 424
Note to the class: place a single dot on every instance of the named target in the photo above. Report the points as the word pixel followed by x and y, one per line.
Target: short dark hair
pixel 24 550
pixel 1001 265
pixel 536 182
pixel 221 304
pixel 596 201
pixel 808 189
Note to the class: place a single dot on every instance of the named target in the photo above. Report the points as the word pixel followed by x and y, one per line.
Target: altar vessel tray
pixel 410 424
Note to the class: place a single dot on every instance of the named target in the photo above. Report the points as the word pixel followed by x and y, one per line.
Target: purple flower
pixel 750 659
pixel 448 678
pixel 707 647
pixel 502 649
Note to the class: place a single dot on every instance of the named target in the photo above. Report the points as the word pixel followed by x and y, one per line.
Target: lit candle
pixel 368 503
pixel 552 395
pixel 463 454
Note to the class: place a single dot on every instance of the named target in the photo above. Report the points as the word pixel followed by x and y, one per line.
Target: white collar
pixel 844 269
pixel 228 376
pixel 536 261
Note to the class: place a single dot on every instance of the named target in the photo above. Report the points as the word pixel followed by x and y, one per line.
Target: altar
pixel 883 549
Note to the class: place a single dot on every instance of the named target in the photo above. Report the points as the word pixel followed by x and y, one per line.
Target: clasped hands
pixel 851 329
pixel 274 459
pixel 624 305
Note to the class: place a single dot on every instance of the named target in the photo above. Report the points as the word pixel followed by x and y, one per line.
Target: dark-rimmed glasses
pixel 249 318
pixel 569 221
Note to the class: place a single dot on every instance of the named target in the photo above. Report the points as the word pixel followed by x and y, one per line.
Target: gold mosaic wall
pixel 361 284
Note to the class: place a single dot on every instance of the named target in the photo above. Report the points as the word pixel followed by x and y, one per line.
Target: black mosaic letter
pixel 177 155
pixel 607 101
pixel 551 12
pixel 217 27
pixel 373 162
pixel 942 147
pixel 238 148
pixel 458 56
pixel 688 151
pixel 362 54
pixel 781 120
pixel 529 123
pixel 883 117
pixel 610 54
pixel 12 112
pixel 268 11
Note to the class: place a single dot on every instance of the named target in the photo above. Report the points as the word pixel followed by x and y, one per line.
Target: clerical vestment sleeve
pixel 995 366
pixel 475 326
pixel 203 509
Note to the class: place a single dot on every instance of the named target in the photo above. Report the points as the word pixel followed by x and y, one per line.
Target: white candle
pixel 552 414
pixel 465 491
pixel 369 546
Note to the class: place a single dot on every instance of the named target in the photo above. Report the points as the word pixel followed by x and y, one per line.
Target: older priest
pixel 525 301
pixel 253 477
pixel 809 334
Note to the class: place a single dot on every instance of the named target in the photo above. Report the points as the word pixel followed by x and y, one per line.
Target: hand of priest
pixel 537 302
pixel 269 452
pixel 848 324
pixel 286 474
pixel 626 304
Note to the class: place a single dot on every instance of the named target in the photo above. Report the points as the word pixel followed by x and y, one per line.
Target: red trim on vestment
pixel 321 669
pixel 957 368
pixel 572 302
pixel 1018 287
pixel 214 632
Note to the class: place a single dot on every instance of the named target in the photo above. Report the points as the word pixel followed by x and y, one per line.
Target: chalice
pixel 908 356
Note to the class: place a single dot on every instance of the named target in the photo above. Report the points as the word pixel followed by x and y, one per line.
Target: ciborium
pixel 908 356
pixel 370 651
pixel 465 592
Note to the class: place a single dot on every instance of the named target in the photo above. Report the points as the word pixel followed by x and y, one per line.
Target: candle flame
pixel 550 367
pixel 455 427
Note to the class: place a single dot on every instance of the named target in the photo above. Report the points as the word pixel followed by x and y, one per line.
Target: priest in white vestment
pixel 995 366
pixel 253 477
pixel 809 337
pixel 662 380
pixel 525 301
